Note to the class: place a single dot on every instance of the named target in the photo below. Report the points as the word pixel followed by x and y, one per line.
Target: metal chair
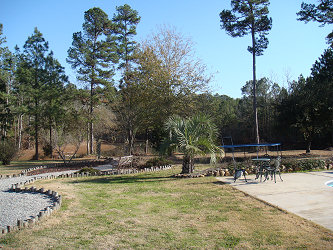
pixel 273 170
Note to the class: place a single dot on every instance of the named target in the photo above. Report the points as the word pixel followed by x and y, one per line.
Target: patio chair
pixel 238 174
pixel 262 167
pixel 273 170
pixel 277 165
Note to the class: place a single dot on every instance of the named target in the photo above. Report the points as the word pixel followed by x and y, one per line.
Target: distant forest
pixel 160 77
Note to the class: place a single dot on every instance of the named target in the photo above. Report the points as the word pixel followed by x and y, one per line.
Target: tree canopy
pixel 321 13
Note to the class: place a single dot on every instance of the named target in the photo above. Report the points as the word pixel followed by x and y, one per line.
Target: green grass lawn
pixel 156 211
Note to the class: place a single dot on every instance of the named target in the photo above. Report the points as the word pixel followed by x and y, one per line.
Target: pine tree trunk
pixel 36 157
pixel 91 138
pixel 255 111
pixel 130 141
pixel 88 149
pixel 308 147
pixel 147 142
pixel 51 145
pixel 98 148
pixel 20 128
pixel 91 134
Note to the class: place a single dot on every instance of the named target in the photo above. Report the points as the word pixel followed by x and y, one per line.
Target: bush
pixel 89 170
pixel 8 151
pixel 47 149
pixel 311 164
pixel 304 165
pixel 156 162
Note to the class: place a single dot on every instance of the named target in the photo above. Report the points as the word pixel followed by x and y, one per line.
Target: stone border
pixel 47 211
pixel 72 164
pixel 25 172
pixel 55 197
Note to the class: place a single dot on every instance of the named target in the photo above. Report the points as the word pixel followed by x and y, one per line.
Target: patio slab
pixel 304 194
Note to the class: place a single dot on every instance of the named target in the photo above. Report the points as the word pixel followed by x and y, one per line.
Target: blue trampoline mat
pixel 251 145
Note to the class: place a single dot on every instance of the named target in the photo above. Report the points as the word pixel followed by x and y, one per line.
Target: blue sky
pixel 294 46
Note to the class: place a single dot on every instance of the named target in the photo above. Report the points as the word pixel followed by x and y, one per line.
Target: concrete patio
pixel 304 194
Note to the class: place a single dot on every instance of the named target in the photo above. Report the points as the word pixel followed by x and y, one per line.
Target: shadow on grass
pixel 220 183
pixel 126 179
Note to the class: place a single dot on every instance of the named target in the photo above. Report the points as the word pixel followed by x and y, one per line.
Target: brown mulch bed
pixel 52 169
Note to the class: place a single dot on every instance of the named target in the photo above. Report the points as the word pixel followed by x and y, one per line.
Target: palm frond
pixel 193 136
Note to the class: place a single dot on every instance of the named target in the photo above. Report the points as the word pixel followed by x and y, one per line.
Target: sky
pixel 293 45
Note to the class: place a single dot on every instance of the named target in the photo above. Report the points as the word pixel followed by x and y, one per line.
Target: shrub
pixel 304 165
pixel 47 149
pixel 311 164
pixel 156 162
pixel 89 170
pixel 8 151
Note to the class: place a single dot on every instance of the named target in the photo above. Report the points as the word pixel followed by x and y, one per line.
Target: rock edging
pixel 47 211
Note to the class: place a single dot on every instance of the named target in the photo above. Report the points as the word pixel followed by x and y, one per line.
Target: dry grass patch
pixel 155 211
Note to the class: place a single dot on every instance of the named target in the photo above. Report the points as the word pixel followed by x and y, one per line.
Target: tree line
pixel 157 78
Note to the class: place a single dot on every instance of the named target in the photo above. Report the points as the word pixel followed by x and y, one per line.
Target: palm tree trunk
pixel 187 167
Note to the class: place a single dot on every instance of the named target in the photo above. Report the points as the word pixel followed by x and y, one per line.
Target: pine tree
pixel 31 73
pixel 39 75
pixel 54 106
pixel 92 55
pixel 125 21
pixel 322 13
pixel 249 17
pixel 5 85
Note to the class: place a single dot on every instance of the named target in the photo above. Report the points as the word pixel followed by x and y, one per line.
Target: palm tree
pixel 192 136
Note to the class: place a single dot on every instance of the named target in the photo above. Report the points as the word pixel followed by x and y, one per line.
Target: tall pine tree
pixel 31 73
pixel 125 21
pixel 249 17
pixel 92 55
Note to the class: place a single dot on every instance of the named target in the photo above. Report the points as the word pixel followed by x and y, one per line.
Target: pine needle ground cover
pixel 156 211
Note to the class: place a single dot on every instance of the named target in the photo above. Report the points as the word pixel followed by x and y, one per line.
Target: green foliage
pixel 93 51
pixel 192 136
pixel 8 151
pixel 321 13
pixel 308 105
pixel 156 162
pixel 322 88
pixel 311 164
pixel 41 79
pixel 248 17
pixel 125 21
pixel 6 78
pixel 93 55
pixel 304 165
pixel 47 149
pixel 88 170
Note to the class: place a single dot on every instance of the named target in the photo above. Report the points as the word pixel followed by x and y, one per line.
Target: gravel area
pixel 14 206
